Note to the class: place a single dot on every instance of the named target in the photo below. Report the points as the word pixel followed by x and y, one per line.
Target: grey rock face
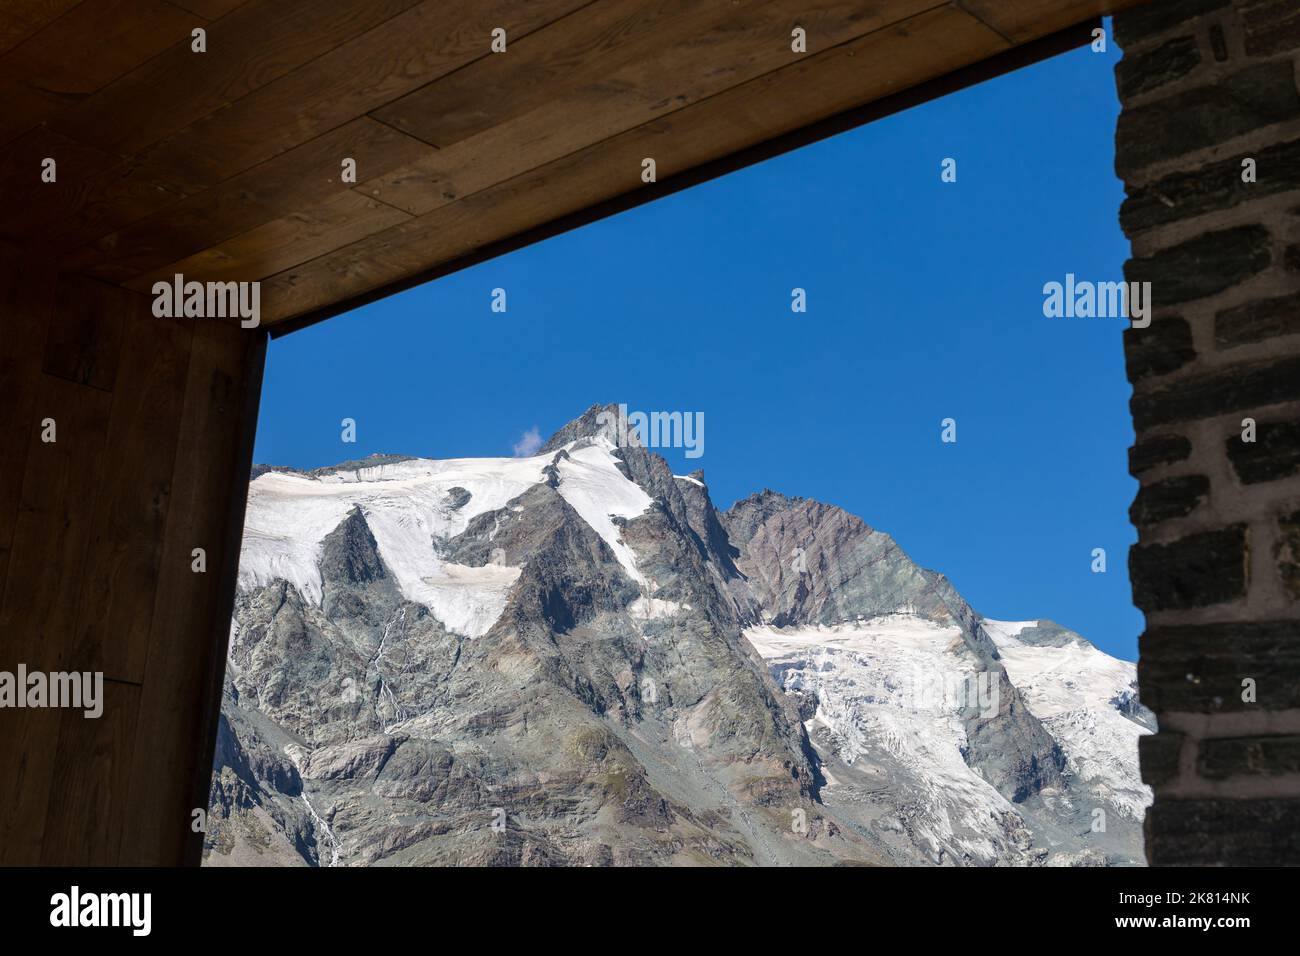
pixel 612 714
pixel 812 563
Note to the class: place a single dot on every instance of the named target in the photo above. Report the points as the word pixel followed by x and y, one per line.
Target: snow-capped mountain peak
pixel 416 505
pixel 582 640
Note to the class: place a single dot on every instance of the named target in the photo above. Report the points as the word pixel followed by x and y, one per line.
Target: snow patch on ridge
pixel 644 608
pixel 592 484
pixel 883 694
pixel 409 509
pixel 1005 632
pixel 1072 689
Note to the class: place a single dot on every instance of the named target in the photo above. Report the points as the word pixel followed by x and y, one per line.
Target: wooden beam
pixel 295 299
pixel 134 487
pixel 155 421
pixel 301 178
pixel 26 297
pixel 80 53
pixel 19 19
pixel 323 95
pixel 88 803
pixel 252 46
pixel 171 767
pixel 37 608
pixel 342 85
pixel 282 243
pixel 626 92
pixel 1023 20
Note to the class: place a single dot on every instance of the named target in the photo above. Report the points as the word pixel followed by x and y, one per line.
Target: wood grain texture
pixel 254 45
pixel 634 91
pixel 48 551
pixel 209 9
pixel 34 208
pixel 330 91
pixel 172 760
pixel 99 561
pixel 80 53
pixel 282 243
pixel 85 206
pixel 47 529
pixel 583 49
pixel 124 551
pixel 20 19
pixel 26 297
pixel 408 51
pixel 303 177
pixel 88 793
pixel 84 342
pixel 1023 20
pixel 28 750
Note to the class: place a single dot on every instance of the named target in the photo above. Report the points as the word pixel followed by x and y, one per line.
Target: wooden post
pixel 152 423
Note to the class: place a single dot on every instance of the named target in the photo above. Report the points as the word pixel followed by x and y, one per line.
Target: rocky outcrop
pixel 811 563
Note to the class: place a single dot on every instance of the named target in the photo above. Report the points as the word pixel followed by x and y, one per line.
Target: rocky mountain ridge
pixel 575 658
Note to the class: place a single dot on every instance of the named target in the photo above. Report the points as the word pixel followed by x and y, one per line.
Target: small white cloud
pixel 528 443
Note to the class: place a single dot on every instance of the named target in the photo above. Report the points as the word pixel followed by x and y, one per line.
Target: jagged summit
pixel 584 426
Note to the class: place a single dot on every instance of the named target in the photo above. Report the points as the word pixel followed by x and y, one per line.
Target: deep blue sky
pixel 924 302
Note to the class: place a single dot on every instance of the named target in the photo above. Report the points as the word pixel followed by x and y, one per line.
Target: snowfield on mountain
pixel 574 658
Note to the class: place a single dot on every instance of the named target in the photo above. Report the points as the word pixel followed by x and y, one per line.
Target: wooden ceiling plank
pixel 19 19
pixel 582 50
pixel 282 243
pixel 88 206
pixel 255 45
pixel 30 203
pixel 24 109
pixel 1024 20
pixel 350 81
pixel 93 44
pixel 79 54
pixel 882 63
pixel 684 73
pixel 300 178
pixel 209 9
pixel 330 91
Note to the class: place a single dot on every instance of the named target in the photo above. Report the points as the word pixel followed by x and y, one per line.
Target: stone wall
pixel 1206 85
